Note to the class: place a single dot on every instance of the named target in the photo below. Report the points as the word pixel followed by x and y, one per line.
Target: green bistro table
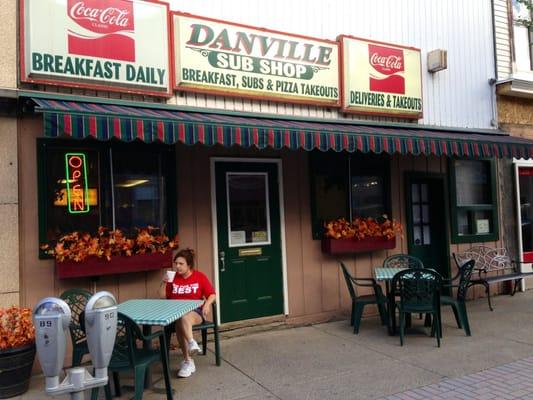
pixel 386 275
pixel 156 312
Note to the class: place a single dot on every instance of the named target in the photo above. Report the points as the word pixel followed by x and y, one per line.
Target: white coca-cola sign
pixel 381 78
pixel 97 44
pixel 392 62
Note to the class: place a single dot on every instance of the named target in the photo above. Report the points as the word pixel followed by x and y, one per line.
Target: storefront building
pixel 245 129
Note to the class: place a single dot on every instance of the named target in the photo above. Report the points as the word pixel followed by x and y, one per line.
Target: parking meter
pixel 51 318
pixel 101 329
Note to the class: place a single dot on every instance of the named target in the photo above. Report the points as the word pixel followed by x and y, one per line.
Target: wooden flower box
pixel 344 246
pixel 94 266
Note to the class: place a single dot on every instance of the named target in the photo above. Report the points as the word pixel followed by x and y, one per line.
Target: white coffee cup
pixel 170 275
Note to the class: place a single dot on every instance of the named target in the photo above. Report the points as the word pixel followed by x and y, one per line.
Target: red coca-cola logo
pixel 388 67
pixel 105 28
pixel 386 60
pixel 102 16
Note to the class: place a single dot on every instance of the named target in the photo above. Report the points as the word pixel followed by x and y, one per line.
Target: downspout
pixel 492 82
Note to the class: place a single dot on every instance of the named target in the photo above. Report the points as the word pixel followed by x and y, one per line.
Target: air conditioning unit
pixel 437 60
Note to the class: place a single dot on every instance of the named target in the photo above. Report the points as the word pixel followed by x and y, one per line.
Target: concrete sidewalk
pixel 327 361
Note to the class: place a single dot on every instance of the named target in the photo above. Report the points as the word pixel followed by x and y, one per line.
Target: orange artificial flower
pixel 78 246
pixel 16 327
pixel 362 228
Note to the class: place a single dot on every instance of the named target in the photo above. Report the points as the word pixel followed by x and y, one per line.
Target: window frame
pixel 168 169
pixel 492 207
pixel 350 161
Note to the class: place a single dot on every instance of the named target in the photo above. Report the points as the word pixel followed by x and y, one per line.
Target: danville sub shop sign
pixel 104 44
pixel 216 56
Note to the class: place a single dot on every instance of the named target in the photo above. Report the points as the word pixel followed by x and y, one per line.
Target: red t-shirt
pixel 195 287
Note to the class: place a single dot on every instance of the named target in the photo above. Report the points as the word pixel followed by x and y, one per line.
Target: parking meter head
pixel 101 327
pixel 51 318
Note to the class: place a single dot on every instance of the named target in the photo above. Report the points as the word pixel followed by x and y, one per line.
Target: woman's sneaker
pixel 193 347
pixel 187 368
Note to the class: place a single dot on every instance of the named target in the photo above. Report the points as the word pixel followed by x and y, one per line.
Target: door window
pixel 420 210
pixel 248 209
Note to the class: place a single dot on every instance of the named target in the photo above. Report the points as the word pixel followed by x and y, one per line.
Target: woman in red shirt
pixel 188 284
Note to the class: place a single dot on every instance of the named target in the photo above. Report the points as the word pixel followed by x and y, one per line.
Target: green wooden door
pixel 427 223
pixel 249 240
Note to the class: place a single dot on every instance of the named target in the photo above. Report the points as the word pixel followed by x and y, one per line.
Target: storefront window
pixel 116 185
pixel 138 190
pixel 474 204
pixel 348 186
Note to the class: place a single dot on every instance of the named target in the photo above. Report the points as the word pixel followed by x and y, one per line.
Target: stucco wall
pixel 9 230
pixel 8 33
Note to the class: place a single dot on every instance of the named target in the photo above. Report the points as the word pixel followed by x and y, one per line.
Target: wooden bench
pixel 492 260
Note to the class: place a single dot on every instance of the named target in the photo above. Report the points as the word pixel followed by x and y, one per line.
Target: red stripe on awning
pixel 92 126
pixel 238 137
pixel 201 134
pixel 359 143
pixel 116 127
pixel 67 124
pixel 181 132
pixel 160 130
pixel 271 138
pixel 444 147
pixel 455 149
pixel 140 130
pixel 422 146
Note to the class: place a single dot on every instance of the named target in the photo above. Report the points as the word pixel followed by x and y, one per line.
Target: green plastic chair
pixel 77 300
pixel 127 356
pixel 359 302
pixel 458 303
pixel 419 291
pixel 204 328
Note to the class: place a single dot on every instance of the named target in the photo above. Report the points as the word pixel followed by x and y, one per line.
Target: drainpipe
pixel 492 81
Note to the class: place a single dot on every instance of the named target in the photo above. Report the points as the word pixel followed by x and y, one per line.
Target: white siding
pixel 503 41
pixel 459 96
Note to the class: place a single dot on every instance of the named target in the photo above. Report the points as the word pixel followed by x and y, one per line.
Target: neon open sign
pixel 77 185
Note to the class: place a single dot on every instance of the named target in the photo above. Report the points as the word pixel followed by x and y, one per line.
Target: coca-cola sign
pixel 388 66
pixel 103 28
pixel 111 45
pixel 379 78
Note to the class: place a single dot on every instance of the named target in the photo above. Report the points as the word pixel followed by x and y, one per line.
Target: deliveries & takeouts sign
pixel 232 59
pixel 120 45
pixel 380 78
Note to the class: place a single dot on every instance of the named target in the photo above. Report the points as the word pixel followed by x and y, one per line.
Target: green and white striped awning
pixel 80 120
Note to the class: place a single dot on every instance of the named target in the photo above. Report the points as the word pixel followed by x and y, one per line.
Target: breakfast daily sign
pixel 120 45
pixel 380 78
pixel 230 59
